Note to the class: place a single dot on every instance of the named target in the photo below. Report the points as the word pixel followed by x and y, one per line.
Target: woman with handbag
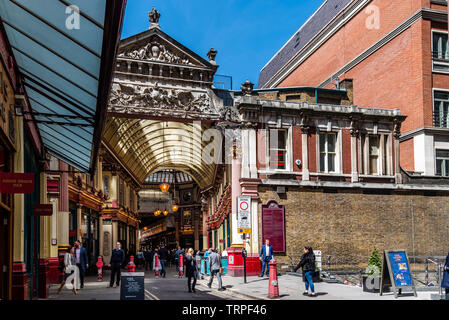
pixel 191 270
pixel 70 267
pixel 307 264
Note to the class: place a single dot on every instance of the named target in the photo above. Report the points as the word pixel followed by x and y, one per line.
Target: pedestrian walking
pixel 307 263
pixel 224 254
pixel 163 256
pixel 265 256
pixel 117 259
pixel 139 259
pixel 191 270
pixel 82 261
pixel 148 255
pixel 215 269
pixel 69 268
pixel 445 282
pixel 198 264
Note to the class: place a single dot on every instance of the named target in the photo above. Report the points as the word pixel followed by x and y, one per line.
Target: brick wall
pixel 407 155
pixel 348 224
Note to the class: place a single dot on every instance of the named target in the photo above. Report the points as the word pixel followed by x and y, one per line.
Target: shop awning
pixel 66 69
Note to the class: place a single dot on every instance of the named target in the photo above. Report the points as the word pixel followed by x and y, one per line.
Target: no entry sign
pixel 244 214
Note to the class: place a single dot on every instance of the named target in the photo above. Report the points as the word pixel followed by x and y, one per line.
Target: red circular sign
pixel 244 204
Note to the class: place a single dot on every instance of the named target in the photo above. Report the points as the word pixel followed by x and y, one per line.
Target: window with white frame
pixel 442 163
pixel 278 148
pixel 374 155
pixel 440 51
pixel 441 109
pixel 328 152
pixel 371 156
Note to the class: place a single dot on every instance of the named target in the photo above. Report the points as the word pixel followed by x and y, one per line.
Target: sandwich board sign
pixel 244 214
pixel 396 272
pixel 132 286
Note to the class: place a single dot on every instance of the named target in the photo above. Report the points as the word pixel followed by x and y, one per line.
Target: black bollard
pixel 244 265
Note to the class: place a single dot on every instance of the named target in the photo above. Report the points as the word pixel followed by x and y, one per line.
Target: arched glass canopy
pixel 148 146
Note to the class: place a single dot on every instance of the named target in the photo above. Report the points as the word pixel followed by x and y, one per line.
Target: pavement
pixel 169 288
pixel 172 287
pixel 291 287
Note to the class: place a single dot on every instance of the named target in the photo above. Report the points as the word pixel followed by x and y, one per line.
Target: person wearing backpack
pixel 307 264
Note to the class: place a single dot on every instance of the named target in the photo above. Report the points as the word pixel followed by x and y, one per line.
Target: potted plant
pixel 371 278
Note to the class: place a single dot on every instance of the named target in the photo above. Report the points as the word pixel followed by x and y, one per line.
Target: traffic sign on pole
pixel 244 214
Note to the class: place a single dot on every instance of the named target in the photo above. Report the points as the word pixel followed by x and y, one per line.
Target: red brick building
pixel 396 53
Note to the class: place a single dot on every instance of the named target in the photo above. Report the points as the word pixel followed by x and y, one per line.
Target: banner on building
pixel 11 182
pixel 244 214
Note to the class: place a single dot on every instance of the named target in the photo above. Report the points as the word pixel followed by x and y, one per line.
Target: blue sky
pixel 246 33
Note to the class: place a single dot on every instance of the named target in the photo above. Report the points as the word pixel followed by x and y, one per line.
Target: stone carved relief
pixel 160 98
pixel 154 51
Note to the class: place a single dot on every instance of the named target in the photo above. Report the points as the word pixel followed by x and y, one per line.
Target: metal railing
pixel 436 261
pixel 440 120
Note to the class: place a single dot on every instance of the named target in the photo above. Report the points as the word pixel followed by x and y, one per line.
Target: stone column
pixel 305 152
pixel 78 220
pixel 245 168
pixel 354 169
pixel 196 231
pixel 19 203
pixel 252 153
pixel 101 236
pixel 236 239
pixel 396 152
pixel 64 214
pixel 382 169
pixel 19 279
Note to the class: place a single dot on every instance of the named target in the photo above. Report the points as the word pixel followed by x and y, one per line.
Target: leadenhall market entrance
pixel 165 126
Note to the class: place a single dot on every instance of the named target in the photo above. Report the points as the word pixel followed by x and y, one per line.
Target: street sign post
pixel 244 214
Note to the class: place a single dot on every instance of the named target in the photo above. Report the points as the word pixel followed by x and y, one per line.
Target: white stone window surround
pixel 338 151
pixel 446 64
pixel 445 162
pixel 385 146
pixel 433 102
pixel 289 149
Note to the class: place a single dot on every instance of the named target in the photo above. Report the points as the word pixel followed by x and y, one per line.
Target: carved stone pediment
pixel 157 100
pixel 154 51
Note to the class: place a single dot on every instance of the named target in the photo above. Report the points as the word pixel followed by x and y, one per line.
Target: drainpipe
pixel 316 95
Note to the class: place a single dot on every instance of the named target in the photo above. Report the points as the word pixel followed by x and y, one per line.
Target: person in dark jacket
pixel 163 256
pixel 148 255
pixel 117 259
pixel 307 264
pixel 191 270
pixel 445 282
